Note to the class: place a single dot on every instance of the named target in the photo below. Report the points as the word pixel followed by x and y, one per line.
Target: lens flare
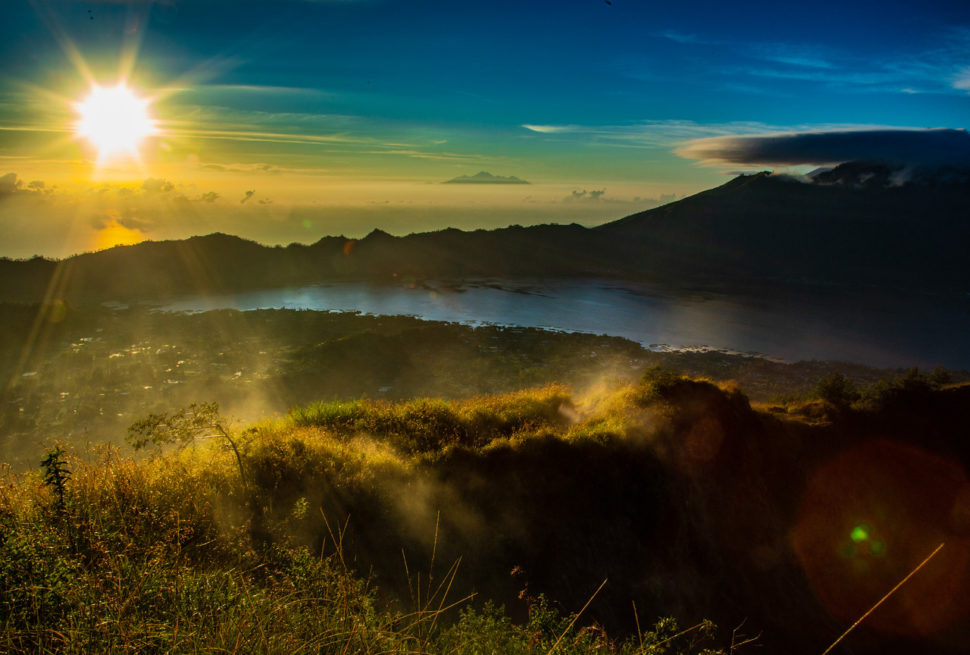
pixel 860 533
pixel 867 517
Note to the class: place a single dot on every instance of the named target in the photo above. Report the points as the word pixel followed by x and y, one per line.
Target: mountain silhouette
pixel 857 224
pixel 484 177
pixel 860 225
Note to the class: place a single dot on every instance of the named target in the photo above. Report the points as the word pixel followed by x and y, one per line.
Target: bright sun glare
pixel 115 120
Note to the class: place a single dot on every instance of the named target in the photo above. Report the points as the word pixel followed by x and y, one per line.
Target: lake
pixel 890 330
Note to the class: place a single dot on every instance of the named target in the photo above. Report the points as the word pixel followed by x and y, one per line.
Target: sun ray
pixel 66 44
pixel 135 22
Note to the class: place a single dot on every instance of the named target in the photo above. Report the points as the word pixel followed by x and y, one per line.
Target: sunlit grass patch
pixel 427 425
pixel 248 538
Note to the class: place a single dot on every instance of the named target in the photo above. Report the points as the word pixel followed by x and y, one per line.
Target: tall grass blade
pixel 883 599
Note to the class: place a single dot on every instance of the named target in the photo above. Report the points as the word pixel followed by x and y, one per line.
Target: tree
pixel 197 421
pixel 837 389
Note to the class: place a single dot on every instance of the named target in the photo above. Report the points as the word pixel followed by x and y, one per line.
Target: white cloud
pixel 962 80
pixel 550 129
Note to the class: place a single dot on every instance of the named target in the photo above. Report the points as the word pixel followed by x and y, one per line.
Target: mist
pixel 56 221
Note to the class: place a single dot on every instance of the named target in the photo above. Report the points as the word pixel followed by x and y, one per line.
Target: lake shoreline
pixel 884 328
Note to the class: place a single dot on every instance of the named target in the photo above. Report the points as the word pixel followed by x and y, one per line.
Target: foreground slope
pixel 685 499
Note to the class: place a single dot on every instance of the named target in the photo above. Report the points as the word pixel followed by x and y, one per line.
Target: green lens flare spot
pixel 860 533
pixel 877 548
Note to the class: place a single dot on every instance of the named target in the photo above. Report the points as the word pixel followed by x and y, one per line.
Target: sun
pixel 115 120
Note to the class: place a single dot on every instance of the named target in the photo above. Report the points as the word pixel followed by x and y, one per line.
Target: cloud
pixel 962 80
pixel 902 146
pixel 155 185
pixel 11 185
pixel 209 196
pixel 249 194
pixel 264 89
pixel 588 196
pixel 259 169
pixel 686 38
pixel 115 218
pixel 663 199
pixel 652 134
pixel 550 129
pixel 937 69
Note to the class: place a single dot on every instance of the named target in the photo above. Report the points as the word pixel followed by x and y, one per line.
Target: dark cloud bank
pixel 931 147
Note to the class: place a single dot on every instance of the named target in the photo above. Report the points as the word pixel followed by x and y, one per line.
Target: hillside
pixel 852 227
pixel 849 226
pixel 678 494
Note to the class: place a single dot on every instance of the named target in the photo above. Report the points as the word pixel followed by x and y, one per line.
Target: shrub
pixel 837 390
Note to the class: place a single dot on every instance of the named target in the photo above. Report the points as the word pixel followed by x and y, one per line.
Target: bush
pixel 837 390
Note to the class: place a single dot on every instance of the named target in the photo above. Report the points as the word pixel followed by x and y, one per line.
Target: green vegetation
pixel 428 425
pixel 370 526
pixel 177 553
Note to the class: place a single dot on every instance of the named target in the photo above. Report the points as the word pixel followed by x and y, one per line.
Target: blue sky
pixel 328 108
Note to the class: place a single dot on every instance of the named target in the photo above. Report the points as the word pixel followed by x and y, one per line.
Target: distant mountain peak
pixel 484 177
pixel 883 175
pixel 378 234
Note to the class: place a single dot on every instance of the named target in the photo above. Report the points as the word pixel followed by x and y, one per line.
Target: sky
pixel 290 120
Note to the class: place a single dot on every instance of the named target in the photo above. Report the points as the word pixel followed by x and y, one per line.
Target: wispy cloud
pixel 653 134
pixel 255 168
pixel 792 54
pixel 939 69
pixel 962 80
pixel 551 129
pixel 223 117
pixel 861 80
pixel 353 135
pixel 267 137
pixel 420 154
pixel 799 56
pixel 686 38
pixel 264 89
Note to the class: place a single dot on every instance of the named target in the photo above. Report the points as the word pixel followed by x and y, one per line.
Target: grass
pixel 427 425
pixel 378 527
pixel 179 553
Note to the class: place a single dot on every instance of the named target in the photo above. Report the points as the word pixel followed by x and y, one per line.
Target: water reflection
pixel 891 331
